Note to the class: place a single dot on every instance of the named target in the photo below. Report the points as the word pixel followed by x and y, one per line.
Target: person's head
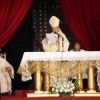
pixel 54 22
pixel 55 29
pixel 77 46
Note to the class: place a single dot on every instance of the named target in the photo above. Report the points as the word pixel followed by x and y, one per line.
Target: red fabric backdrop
pixel 12 13
pixel 83 17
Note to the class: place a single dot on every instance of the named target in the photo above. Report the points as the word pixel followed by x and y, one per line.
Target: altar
pixel 70 62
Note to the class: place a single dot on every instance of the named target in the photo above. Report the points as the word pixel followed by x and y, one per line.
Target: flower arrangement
pixel 64 87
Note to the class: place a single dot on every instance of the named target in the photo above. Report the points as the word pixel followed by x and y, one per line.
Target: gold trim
pixel 29 95
pixel 97 94
pixel 54 68
pixel 91 91
pixel 38 92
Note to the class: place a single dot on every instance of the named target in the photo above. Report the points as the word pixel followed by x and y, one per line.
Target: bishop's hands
pixel 57 42
pixel 46 39
pixel 8 69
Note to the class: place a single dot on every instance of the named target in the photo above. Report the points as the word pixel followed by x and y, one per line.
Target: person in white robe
pixel 98 78
pixel 6 73
pixel 77 48
pixel 61 45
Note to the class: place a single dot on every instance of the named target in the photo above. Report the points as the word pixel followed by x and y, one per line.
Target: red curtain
pixel 83 17
pixel 12 13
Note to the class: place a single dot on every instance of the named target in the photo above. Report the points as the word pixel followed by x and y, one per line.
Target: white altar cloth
pixel 43 56
pixel 58 56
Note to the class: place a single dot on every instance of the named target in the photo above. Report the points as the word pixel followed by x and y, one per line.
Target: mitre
pixel 54 21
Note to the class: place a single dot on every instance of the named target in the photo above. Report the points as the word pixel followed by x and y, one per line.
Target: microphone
pixel 58 34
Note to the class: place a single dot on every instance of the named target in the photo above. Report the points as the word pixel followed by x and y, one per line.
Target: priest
pixel 6 73
pixel 62 43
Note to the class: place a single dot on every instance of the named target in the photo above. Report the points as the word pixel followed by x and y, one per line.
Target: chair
pixel 40 48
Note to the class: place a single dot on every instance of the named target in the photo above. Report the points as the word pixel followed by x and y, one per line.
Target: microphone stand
pixel 58 40
pixel 62 44
pixel 58 43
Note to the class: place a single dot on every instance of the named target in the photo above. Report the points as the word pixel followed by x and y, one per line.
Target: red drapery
pixel 12 13
pixel 83 17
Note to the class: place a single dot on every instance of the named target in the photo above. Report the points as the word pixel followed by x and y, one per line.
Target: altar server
pixel 77 48
pixel 6 73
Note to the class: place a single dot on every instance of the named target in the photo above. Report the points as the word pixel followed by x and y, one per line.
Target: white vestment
pixel 53 47
pixel 5 80
pixel 84 74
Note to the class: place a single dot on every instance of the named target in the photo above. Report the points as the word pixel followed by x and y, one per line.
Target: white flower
pixel 67 86
pixel 59 86
pixel 61 90
pixel 73 87
pixel 70 89
pixel 54 85
pixel 57 90
pixel 62 86
pixel 53 89
pixel 51 85
pixel 58 83
pixel 66 90
pixel 69 82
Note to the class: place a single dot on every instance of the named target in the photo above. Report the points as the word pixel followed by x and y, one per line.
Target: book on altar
pixel 51 38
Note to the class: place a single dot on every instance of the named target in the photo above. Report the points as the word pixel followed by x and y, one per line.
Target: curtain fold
pixel 12 13
pixel 83 17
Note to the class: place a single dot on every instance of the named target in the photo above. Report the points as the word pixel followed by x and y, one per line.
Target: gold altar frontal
pixel 90 93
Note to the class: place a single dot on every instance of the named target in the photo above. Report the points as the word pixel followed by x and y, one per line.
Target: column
pixel 91 77
pixel 79 76
pixel 46 82
pixel 38 85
